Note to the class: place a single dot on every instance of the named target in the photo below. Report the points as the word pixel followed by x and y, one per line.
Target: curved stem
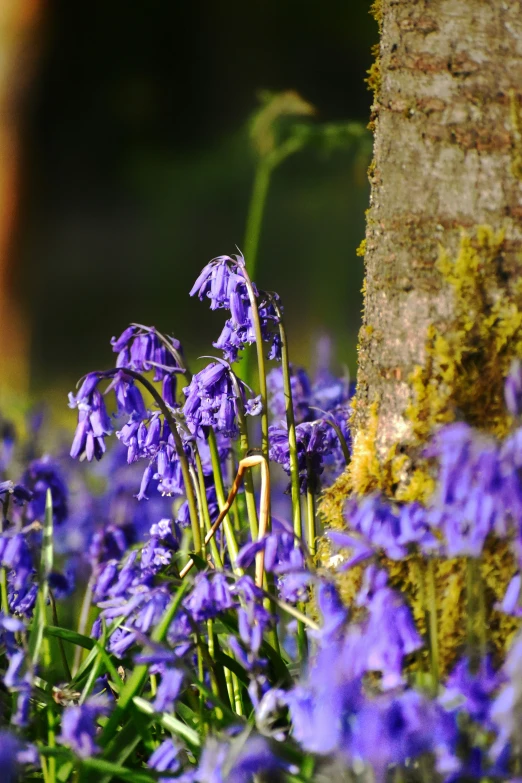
pixel 255 213
pixel 191 500
pixel 204 506
pixel 220 494
pixel 342 440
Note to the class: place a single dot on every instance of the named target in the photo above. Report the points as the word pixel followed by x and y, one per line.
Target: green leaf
pixel 46 566
pixel 73 637
pixel 169 722
pixel 115 770
pixel 139 676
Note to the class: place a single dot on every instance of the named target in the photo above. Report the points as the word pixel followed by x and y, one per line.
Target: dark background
pixel 138 170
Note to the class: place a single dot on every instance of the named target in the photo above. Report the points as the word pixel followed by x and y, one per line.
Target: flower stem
pixel 247 481
pixel 310 519
pixel 220 494
pixel 476 613
pixel 255 212
pixel 431 597
pixel 290 423
pixel 260 363
pixel 204 506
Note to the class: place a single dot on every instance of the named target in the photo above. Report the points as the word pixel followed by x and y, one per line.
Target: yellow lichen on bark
pixel 466 362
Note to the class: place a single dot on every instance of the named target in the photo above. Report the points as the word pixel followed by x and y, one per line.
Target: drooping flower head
pixel 224 281
pixel 212 400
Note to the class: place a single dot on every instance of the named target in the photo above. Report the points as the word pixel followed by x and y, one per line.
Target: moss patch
pixel 467 360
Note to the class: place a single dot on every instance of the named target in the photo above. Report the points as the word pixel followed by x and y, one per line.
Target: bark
pixel 447 157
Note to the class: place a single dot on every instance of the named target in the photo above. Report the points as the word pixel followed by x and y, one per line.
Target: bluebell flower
pixel 94 423
pixel 212 400
pixel 41 475
pixel 142 349
pixel 472 498
pixel 7 444
pixel 14 755
pixel 210 595
pixel 19 493
pixel 513 388
pixel 390 635
pixel 301 393
pixel 472 691
pixel 166 759
pixel 379 524
pixel 79 726
pixel 223 282
pixel 314 441
pixel 168 689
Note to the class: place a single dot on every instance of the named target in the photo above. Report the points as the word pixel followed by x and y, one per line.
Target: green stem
pixel 476 614
pixel 247 480
pixel 260 362
pixel 310 519
pixel 82 624
pixel 204 506
pixel 290 423
pixel 431 599
pixel 255 213
pixel 140 673
pixel 3 590
pixel 220 494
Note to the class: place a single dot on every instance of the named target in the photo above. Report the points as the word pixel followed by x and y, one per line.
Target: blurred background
pixel 130 137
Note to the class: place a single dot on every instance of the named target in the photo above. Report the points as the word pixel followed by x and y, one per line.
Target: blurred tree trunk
pixel 18 19
pixel 447 158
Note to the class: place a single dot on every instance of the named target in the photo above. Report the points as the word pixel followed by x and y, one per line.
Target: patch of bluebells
pixel 350 704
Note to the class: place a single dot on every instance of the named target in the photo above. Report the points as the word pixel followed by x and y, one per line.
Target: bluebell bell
pixel 14 755
pixel 168 689
pixel 141 349
pixel 375 519
pixel 166 759
pixel 212 400
pixel 94 423
pixel 301 393
pixel 41 475
pixel 314 440
pixel 79 726
pixel 471 690
pixel 513 388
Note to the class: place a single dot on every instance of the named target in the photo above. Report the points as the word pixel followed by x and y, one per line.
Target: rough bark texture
pixel 443 290
pixel 447 157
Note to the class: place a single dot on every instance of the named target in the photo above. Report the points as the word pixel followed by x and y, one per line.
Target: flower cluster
pixel 209 645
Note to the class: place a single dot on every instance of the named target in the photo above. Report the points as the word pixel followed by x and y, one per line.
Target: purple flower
pixel 93 420
pixel 471 691
pixel 168 690
pixel 513 388
pixel 223 281
pixel 390 635
pixel 14 754
pixel 41 475
pixel 142 348
pixel 212 400
pixel 79 726
pixel 210 595
pixel 301 393
pixel 166 759
pixel 314 440
pixel 378 523
pixel 475 494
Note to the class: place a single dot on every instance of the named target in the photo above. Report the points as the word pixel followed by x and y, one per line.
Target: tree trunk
pixel 442 317
pixel 447 158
